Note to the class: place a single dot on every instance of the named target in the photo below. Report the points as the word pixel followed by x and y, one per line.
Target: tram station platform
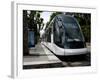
pixel 41 57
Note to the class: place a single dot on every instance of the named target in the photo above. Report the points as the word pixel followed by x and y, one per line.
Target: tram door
pixel 31 39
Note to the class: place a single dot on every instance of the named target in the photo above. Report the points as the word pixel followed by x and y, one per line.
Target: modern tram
pixel 64 36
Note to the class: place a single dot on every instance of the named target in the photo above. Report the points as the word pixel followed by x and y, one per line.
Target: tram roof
pixel 63 15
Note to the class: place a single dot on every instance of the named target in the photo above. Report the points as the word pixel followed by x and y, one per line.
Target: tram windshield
pixel 67 33
pixel 72 32
pixel 73 35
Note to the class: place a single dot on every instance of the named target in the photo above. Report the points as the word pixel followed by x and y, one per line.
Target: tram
pixel 64 36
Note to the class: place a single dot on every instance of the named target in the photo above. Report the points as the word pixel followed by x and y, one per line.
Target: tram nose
pixel 75 51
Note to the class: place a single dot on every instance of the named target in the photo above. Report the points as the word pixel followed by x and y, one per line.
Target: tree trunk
pixel 25 34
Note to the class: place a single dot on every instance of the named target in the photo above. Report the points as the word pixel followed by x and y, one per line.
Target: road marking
pixel 50 55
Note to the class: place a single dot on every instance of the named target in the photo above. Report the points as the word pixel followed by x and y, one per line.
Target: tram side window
pixel 57 35
pixel 56 39
pixel 49 35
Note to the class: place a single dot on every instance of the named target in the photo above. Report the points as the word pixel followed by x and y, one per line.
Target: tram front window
pixel 67 33
pixel 73 36
pixel 73 32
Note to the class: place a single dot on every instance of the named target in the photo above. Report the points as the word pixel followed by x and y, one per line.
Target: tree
pixel 31 21
pixel 54 14
pixel 25 33
pixel 35 23
pixel 51 17
pixel 84 20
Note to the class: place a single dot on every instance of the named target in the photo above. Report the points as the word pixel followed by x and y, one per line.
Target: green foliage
pixel 85 24
pixel 51 17
pixel 86 32
pixel 54 14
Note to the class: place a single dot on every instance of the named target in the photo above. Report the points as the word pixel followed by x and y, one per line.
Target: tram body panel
pixel 57 50
pixel 60 51
pixel 75 51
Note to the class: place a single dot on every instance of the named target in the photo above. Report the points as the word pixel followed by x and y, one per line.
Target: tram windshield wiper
pixel 72 40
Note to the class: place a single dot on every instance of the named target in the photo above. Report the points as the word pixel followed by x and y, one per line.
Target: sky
pixel 46 17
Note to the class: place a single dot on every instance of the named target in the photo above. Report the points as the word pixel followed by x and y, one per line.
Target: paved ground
pixel 41 57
